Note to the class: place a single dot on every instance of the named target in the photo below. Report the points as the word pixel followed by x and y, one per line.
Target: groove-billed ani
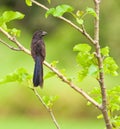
pixel 38 54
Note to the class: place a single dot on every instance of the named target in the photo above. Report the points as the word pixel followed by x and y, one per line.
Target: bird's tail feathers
pixel 38 72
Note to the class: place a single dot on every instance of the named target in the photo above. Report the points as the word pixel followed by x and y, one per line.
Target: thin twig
pixel 60 75
pixel 13 39
pixel 100 65
pixel 48 109
pixel 9 46
pixel 67 21
pixel 97 1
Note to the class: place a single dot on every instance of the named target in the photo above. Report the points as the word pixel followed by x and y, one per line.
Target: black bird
pixel 38 53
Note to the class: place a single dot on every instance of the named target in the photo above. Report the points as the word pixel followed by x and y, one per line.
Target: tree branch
pixel 67 21
pixel 13 39
pixel 60 75
pixel 71 84
pixel 97 1
pixel 100 65
pixel 48 109
pixel 11 47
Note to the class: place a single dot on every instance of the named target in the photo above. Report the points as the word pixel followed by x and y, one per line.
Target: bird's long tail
pixel 38 72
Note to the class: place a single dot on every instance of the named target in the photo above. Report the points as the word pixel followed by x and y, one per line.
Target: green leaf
pixel 110 66
pixel 116 121
pixel 63 71
pixel 92 12
pixel 84 59
pixel 49 100
pixel 54 63
pixel 79 13
pixel 59 10
pixel 11 15
pixel 53 98
pixel 96 94
pixel 92 69
pixel 28 2
pixel 114 98
pixel 4 26
pixel 100 116
pixel 15 32
pixel 82 74
pixel 82 48
pixel 49 75
pixel 105 51
pixel 88 103
pixel 19 75
pixel 49 1
pixel 50 11
pixel 79 21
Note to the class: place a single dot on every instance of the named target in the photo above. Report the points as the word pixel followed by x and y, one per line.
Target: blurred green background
pixel 19 107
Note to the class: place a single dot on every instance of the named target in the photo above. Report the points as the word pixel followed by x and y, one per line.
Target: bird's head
pixel 39 34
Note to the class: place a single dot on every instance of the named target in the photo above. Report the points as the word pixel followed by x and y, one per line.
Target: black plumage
pixel 38 53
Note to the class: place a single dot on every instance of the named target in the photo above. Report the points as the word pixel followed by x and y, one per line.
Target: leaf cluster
pixel 59 10
pixel 114 99
pixel 80 15
pixel 89 63
pixel 49 100
pixel 19 75
pixel 113 105
pixel 9 16
pixel 109 64
pixel 86 59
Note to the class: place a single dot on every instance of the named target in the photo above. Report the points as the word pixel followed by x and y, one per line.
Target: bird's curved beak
pixel 44 33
